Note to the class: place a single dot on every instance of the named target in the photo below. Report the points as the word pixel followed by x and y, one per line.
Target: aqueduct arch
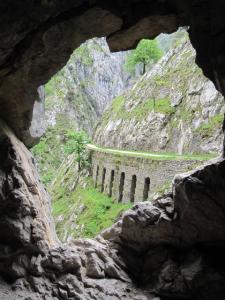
pixel 127 178
pixel 37 38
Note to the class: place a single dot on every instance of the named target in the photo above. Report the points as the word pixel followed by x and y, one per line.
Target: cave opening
pixel 91 106
pixel 165 243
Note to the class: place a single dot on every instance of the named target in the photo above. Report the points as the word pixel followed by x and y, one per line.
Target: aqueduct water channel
pixel 129 176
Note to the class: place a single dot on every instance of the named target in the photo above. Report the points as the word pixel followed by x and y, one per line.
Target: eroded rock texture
pixel 38 38
pixel 191 100
pixel 175 245
pixel 79 93
pixel 25 223
pixel 172 247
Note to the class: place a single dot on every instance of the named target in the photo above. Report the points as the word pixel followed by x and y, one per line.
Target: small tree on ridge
pixel 76 142
pixel 147 52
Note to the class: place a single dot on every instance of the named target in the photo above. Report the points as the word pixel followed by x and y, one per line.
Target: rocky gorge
pixel 172 108
pixel 74 100
pixel 170 249
pixel 79 93
pixel 78 207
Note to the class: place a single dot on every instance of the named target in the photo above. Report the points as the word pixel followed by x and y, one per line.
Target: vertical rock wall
pixel 187 115
pixel 78 94
pixel 25 219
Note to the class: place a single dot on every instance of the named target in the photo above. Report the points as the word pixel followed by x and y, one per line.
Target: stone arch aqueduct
pixel 133 179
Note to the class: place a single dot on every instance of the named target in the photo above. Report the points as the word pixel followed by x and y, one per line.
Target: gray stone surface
pixel 189 121
pixel 25 205
pixel 30 50
pixel 38 39
pixel 38 124
pixel 170 247
pixel 160 173
pixel 86 85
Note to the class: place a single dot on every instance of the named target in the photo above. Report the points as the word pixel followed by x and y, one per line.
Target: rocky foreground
pixel 172 247
pixel 37 40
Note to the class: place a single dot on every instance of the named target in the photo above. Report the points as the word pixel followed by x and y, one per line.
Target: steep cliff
pixel 37 38
pixel 78 94
pixel 170 249
pixel 173 107
pixel 75 99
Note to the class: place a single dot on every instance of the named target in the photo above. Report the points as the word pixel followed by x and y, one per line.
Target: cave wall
pixel 172 247
pixel 37 39
pixel 175 246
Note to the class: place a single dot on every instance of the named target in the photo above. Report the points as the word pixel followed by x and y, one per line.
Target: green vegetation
pixel 155 92
pixel 55 86
pixel 153 155
pixel 79 209
pixel 163 106
pixel 166 187
pixel 75 142
pixel 143 98
pixel 84 212
pixel 54 147
pixel 83 52
pixel 213 123
pixel 147 52
pixel 117 104
pixel 140 111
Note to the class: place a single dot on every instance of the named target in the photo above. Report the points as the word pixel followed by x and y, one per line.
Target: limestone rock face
pixel 38 39
pixel 38 125
pixel 79 93
pixel 178 237
pixel 170 248
pixel 25 206
pixel 187 116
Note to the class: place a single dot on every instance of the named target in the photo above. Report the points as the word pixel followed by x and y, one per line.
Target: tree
pixel 147 52
pixel 76 142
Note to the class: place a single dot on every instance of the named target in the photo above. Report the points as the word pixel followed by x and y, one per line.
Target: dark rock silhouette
pixel 173 248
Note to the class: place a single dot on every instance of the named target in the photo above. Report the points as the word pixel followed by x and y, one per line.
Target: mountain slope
pixel 76 97
pixel 172 108
pixel 79 209
pixel 82 89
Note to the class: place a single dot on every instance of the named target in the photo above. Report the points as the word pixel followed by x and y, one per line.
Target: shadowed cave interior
pixel 152 252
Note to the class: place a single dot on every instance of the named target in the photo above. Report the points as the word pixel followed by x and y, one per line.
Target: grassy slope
pixel 84 212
